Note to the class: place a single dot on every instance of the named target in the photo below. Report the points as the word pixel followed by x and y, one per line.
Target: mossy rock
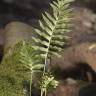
pixel 13 75
pixel 11 80
pixel 16 31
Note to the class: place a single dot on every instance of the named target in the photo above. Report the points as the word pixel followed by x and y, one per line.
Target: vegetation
pixel 26 58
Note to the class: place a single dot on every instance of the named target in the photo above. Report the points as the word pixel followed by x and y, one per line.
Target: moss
pixel 12 74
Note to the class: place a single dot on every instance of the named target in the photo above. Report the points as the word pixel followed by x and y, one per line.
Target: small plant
pixel 48 83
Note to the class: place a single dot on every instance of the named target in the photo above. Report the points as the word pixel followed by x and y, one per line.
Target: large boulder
pixel 80 57
pixel 16 31
pixel 84 26
pixel 71 87
pixel 68 87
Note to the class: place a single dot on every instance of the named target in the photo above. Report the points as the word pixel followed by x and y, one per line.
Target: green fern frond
pixel 53 28
pixel 32 61
pixel 29 57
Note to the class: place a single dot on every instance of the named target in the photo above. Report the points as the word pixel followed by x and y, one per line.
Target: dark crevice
pixel 78 73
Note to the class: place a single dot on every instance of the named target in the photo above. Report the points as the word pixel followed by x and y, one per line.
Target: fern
pixel 29 57
pixel 20 64
pixel 51 35
pixel 51 38
pixel 31 60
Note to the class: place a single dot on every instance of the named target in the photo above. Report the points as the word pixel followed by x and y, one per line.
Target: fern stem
pixel 41 93
pixel 30 83
pixel 45 92
pixel 45 66
pixel 49 47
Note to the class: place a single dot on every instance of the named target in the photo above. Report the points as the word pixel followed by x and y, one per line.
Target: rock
pixel 84 26
pixel 16 31
pixel 66 89
pixel 77 59
pixel 1 36
pixel 89 90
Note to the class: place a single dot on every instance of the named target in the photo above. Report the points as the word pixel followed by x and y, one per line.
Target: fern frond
pixel 29 57
pixel 53 28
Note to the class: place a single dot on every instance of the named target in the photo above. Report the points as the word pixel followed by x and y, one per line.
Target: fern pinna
pixel 53 28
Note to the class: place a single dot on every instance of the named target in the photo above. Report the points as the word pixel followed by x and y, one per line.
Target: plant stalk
pixel 41 93
pixel 45 92
pixel 45 66
pixel 30 83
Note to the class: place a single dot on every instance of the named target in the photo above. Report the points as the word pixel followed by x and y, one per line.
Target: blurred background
pixel 29 11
